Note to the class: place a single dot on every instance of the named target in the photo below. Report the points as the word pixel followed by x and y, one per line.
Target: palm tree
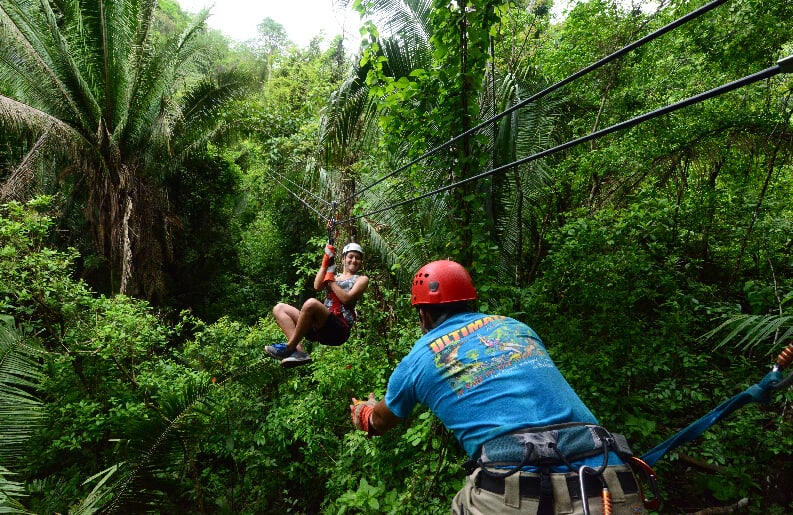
pixel 350 132
pixel 111 109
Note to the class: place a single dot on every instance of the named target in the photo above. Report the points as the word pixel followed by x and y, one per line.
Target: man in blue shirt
pixel 535 447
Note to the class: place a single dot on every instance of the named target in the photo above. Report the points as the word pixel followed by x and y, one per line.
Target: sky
pixel 302 19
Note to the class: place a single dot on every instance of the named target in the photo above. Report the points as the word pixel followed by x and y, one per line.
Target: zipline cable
pixel 330 205
pixel 305 190
pixel 783 66
pixel 309 206
pixel 611 57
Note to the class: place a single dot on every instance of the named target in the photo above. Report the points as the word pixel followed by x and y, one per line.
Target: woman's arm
pixel 319 280
pixel 345 297
pixel 327 262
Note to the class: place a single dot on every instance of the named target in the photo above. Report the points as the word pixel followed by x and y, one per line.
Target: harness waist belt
pixel 552 445
pixel 531 486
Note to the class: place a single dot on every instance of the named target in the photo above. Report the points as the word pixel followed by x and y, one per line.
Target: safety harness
pixel 561 445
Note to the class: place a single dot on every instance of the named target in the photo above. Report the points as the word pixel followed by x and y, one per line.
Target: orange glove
pixel 327 258
pixel 330 275
pixel 361 414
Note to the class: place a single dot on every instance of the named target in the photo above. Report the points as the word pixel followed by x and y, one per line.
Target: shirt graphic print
pixel 485 348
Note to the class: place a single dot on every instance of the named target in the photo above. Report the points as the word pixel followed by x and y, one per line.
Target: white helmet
pixel 352 246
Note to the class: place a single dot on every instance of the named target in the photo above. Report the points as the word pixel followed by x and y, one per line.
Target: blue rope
pixel 759 392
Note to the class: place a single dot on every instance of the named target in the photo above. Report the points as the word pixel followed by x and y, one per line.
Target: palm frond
pixel 747 332
pixel 393 232
pixel 51 138
pixel 21 413
pixel 403 56
pixel 10 492
pixel 349 122
pixel 161 442
pixel 406 19
pixel 518 191
pixel 99 496
pixel 162 447
pixel 22 117
pixel 38 61
pixel 200 120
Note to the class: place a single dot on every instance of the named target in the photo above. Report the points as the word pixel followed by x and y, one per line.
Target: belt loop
pixel 512 490
pixel 474 479
pixel 613 482
pixel 561 494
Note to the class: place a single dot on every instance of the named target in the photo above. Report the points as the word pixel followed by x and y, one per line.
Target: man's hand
pixel 361 413
pixel 327 258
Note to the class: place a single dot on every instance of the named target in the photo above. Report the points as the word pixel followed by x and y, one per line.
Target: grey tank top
pixel 334 305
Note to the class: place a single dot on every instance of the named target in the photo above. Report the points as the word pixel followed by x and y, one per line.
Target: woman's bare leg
pixel 296 324
pixel 286 318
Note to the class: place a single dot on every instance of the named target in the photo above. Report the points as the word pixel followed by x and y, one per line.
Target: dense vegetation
pixel 161 188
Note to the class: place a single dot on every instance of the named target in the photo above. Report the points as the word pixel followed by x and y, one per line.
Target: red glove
pixel 361 413
pixel 327 258
pixel 330 275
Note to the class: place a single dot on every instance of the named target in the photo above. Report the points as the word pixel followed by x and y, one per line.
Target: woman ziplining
pixel 328 322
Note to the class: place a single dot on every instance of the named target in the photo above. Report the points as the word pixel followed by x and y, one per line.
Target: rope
pixel 782 66
pixel 760 392
pixel 611 57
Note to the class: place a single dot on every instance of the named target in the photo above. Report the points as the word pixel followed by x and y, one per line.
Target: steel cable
pixel 782 66
pixel 611 57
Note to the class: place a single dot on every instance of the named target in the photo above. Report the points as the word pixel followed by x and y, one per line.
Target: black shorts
pixel 334 332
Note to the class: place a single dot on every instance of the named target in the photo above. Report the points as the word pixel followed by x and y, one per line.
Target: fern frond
pixel 162 448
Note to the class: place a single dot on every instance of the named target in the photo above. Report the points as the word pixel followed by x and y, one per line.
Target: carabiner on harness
pixel 585 469
pixel 641 468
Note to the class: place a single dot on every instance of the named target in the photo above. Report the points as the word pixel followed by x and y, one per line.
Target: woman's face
pixel 352 261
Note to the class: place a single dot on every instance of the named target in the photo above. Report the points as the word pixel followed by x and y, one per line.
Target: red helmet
pixel 441 282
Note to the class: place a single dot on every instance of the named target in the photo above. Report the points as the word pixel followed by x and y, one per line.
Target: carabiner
pixel 331 226
pixel 606 495
pixel 641 468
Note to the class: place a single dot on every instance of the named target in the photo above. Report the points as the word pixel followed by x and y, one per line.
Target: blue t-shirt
pixel 484 376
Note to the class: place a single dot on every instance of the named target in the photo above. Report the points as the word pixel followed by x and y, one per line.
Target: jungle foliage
pixel 655 262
